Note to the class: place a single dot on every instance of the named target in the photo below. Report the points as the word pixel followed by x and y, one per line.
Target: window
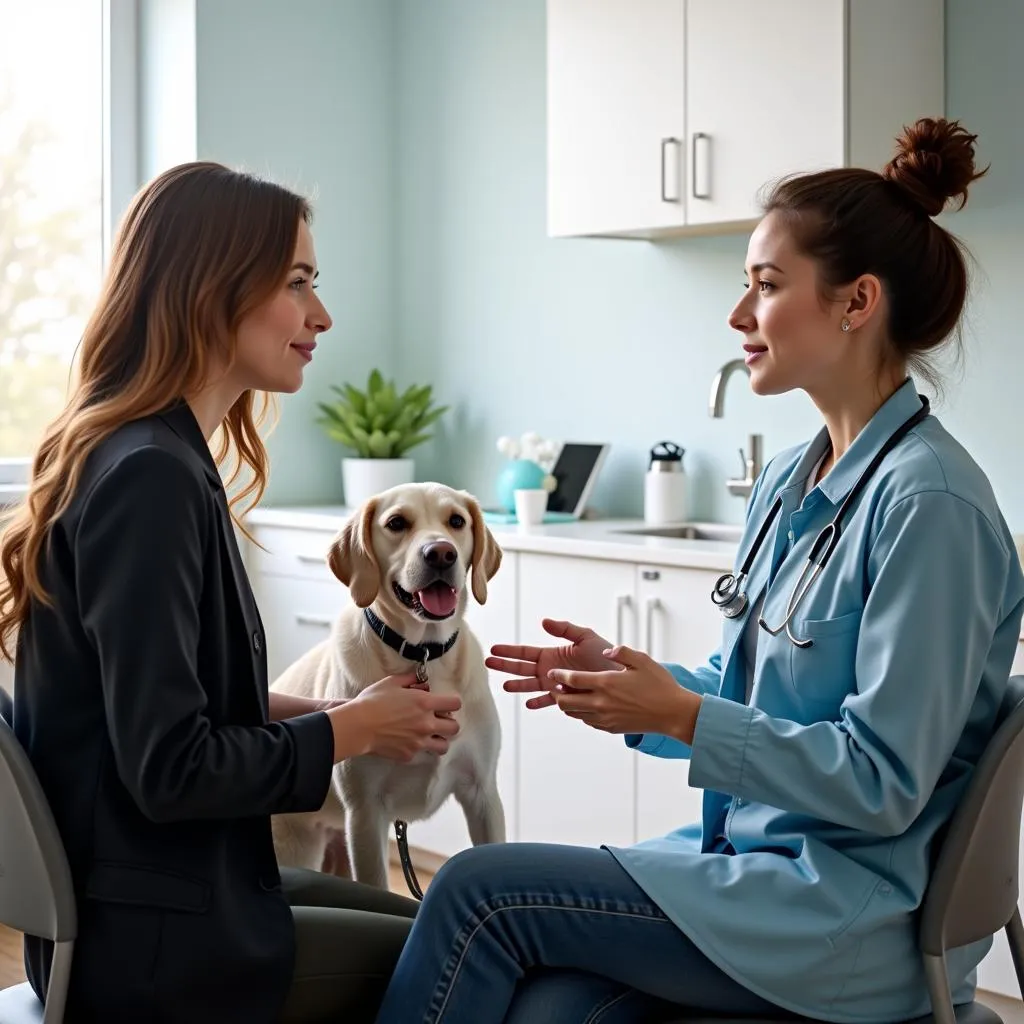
pixel 51 208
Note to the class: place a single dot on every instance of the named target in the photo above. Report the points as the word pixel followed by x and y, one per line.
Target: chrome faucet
pixel 751 463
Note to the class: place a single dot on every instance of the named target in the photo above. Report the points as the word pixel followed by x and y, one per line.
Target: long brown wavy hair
pixel 200 247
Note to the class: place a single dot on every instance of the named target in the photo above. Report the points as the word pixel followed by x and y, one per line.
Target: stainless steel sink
pixel 723 532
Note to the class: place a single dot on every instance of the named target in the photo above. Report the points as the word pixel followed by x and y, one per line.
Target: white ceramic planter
pixel 363 478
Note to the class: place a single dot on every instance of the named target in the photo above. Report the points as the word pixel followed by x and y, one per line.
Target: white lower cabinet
pixel 297 594
pixel 579 785
pixel 576 784
pixel 297 614
pixel 679 625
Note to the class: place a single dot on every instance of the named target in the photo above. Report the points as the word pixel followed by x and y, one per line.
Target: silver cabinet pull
pixel 651 605
pixel 665 142
pixel 694 165
pixel 312 559
pixel 313 620
pixel 622 602
pixel 650 574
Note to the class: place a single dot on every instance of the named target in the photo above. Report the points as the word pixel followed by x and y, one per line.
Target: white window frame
pixel 120 173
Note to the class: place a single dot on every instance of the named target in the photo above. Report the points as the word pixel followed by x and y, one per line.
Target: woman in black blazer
pixel 141 690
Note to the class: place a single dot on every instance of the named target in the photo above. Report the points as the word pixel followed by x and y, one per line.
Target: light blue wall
pixel 303 93
pixel 620 340
pixel 422 125
pixel 985 86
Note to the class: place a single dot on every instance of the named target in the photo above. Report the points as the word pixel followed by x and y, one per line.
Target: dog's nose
pixel 440 554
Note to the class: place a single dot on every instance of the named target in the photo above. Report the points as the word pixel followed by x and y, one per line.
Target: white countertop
pixel 586 538
pixel 11 494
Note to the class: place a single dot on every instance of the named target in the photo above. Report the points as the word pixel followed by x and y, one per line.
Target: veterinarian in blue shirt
pixel 833 734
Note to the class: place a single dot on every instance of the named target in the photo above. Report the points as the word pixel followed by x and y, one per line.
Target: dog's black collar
pixel 421 653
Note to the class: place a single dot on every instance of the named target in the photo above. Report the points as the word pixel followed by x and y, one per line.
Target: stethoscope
pixel 729 593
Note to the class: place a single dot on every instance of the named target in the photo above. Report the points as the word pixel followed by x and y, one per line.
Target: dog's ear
pixel 486 552
pixel 351 556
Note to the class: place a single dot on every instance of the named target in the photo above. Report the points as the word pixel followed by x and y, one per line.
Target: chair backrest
pixel 36 895
pixel 973 888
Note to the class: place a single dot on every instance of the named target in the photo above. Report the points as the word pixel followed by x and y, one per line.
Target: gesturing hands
pixel 614 689
pixel 584 653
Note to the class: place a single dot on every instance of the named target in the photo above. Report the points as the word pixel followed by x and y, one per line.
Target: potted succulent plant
pixel 380 426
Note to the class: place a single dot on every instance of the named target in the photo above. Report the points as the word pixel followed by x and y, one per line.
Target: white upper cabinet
pixel 668 117
pixel 764 97
pixel 616 120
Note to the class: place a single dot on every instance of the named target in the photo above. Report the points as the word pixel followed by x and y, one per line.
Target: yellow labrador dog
pixel 406 557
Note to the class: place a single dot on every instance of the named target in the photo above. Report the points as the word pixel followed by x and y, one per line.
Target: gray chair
pixel 36 894
pixel 973 888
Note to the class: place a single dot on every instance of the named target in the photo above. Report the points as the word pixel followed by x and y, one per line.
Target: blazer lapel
pixel 182 421
pixel 250 613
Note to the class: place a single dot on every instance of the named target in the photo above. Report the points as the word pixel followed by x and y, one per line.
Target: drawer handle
pixel 699 137
pixel 313 620
pixel 312 559
pixel 668 141
pixel 622 602
pixel 652 605
pixel 650 574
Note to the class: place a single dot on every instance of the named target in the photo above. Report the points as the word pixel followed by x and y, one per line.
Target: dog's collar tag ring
pixel 421 668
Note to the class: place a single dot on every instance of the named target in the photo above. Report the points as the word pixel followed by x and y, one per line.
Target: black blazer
pixel 141 698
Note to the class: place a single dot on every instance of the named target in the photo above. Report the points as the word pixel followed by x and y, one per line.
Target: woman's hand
pixel 288 705
pixel 584 652
pixel 326 705
pixel 396 717
pixel 637 695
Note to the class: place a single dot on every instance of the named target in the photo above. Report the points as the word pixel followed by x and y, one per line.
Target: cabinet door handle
pixel 704 193
pixel 312 559
pixel 304 619
pixel 651 605
pixel 622 602
pixel 665 142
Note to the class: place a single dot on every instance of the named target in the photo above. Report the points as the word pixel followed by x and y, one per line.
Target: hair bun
pixel 934 163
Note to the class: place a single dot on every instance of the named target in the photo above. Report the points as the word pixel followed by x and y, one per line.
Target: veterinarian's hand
pixel 397 718
pixel 638 695
pixel 584 652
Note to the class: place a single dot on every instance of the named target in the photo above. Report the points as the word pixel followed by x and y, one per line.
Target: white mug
pixel 531 504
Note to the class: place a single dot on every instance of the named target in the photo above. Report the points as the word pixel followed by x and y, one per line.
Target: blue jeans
pixel 525 933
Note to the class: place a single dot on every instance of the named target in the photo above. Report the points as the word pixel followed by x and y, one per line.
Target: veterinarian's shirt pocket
pixel 824 674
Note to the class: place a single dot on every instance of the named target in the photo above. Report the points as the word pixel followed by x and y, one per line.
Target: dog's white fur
pixel 368 793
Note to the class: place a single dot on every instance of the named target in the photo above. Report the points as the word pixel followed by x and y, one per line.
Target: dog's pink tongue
pixel 438 599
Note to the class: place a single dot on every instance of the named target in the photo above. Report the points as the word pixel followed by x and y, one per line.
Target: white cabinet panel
pixel 751 119
pixel 285 551
pixel 678 624
pixel 616 121
pixel 576 783
pixel 297 614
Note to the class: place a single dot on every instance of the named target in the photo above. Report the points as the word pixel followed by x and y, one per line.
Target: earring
pixel 845 325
